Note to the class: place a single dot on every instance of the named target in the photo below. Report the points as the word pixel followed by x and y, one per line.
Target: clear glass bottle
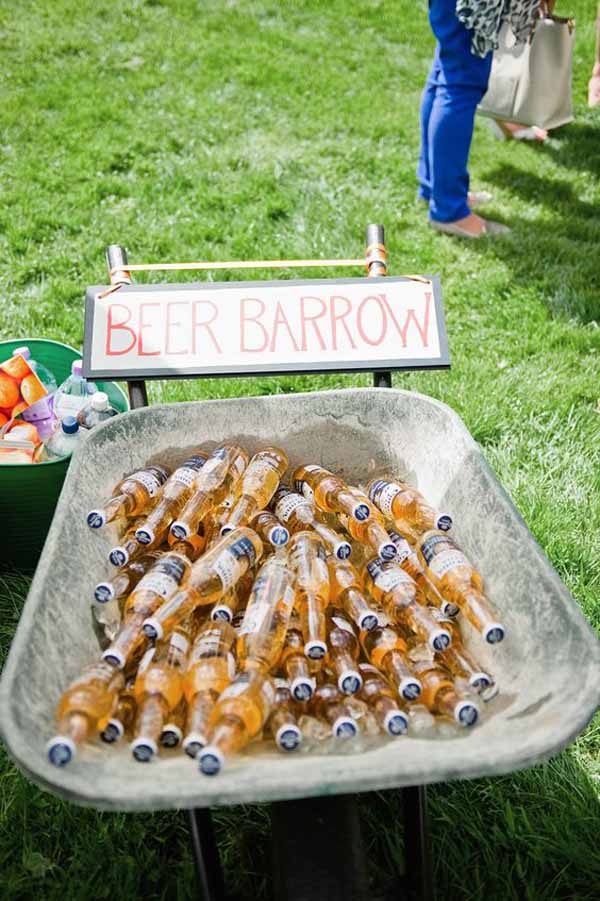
pixel 298 514
pixel 294 664
pixel 387 651
pixel 383 701
pixel 263 629
pixel 347 593
pixel 257 486
pixel 344 651
pixel 131 497
pixel 308 561
pixel 406 507
pixel 282 724
pixel 177 489
pixel 457 579
pixel 330 493
pixel 330 705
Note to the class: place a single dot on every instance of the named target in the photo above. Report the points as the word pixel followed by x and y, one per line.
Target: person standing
pixel 467 34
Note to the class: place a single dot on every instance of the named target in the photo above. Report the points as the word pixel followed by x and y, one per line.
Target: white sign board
pixel 245 328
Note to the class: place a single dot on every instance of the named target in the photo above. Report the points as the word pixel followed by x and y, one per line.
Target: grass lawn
pixel 190 130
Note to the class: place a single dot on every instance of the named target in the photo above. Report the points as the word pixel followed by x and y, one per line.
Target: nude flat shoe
pixel 491 229
pixel 533 133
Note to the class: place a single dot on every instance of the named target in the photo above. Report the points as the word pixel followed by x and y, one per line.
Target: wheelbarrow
pixel 547 668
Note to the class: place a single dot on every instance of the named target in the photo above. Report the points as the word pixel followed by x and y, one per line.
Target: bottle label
pixel 303 487
pixel 388 579
pixel 255 615
pixel 149 480
pixel 403 548
pixel 445 561
pixel 342 624
pixel 179 642
pixel 186 474
pixel 442 555
pixel 286 505
pixel 382 494
pixel 231 564
pixel 236 688
pixel 164 577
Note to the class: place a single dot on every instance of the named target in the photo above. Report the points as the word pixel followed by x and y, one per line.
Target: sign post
pixel 379 324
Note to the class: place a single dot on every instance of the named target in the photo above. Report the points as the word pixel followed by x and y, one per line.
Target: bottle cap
pixel 171 736
pixel 145 535
pixel 302 688
pixel 278 536
pixel 23 352
pixel 395 723
pixel 315 650
pixel 443 522
pixel 494 633
pixel 96 519
pixel 361 512
pixel 466 713
pixel 344 727
pixel 210 761
pixel 288 737
pixel 152 629
pixel 114 657
pixel 193 743
pixel 143 749
pixel 221 611
pixel 77 367
pixel 342 550
pixel 480 681
pixel 70 425
pixel 387 550
pixel 99 401
pixel 369 620
pixel 61 750
pixel 349 682
pixel 118 556
pixel 113 731
pixel 103 592
pixel 225 530
pixel 179 530
pixel 409 688
pixel 440 639
pixel 449 609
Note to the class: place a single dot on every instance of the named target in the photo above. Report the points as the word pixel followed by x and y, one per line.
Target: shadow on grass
pixel 576 146
pixel 558 250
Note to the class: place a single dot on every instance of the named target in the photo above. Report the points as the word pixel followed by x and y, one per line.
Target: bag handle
pixel 546 11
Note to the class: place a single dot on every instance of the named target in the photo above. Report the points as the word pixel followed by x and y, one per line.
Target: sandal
pixel 504 133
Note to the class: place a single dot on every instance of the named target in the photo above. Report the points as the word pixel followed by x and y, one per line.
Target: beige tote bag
pixel 530 83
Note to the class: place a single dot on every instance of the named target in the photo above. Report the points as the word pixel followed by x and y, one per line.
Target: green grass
pixel 262 129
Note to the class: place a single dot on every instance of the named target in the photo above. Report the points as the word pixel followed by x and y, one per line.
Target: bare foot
pixel 522 133
pixel 594 87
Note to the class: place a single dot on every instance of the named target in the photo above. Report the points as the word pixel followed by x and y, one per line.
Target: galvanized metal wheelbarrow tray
pixel 548 667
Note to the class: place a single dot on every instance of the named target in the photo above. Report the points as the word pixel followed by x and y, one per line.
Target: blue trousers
pixel 457 82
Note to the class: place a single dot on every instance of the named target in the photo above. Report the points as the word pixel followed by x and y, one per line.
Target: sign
pixel 247 328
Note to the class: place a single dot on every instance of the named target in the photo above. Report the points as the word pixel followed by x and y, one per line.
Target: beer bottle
pixel 308 561
pixel 132 496
pixel 172 730
pixel 382 700
pixel 88 700
pixel 402 602
pixel 211 668
pixel 370 531
pixel 406 507
pixel 263 629
pixel 347 593
pixel 269 529
pixel 125 580
pixel 329 704
pixel 178 488
pixel 460 583
pixel 210 578
pixel 213 483
pixel 440 695
pixel 282 724
pixel 161 581
pixel 128 549
pixel 387 651
pixel 330 493
pixel 461 663
pixel 294 664
pixel 344 651
pixel 226 607
pixel 259 483
pixel 158 691
pixel 298 515
pixel 410 563
pixel 122 720
pixel 238 716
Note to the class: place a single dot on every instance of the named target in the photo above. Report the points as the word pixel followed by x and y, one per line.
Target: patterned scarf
pixel 486 17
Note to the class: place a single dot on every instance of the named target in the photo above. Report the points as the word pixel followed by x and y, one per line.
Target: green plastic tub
pixel 29 492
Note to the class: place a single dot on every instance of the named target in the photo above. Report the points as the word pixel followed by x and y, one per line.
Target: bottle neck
pixel 151 715
pixel 117 506
pixel 199 712
pixel 76 726
pixel 230 735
